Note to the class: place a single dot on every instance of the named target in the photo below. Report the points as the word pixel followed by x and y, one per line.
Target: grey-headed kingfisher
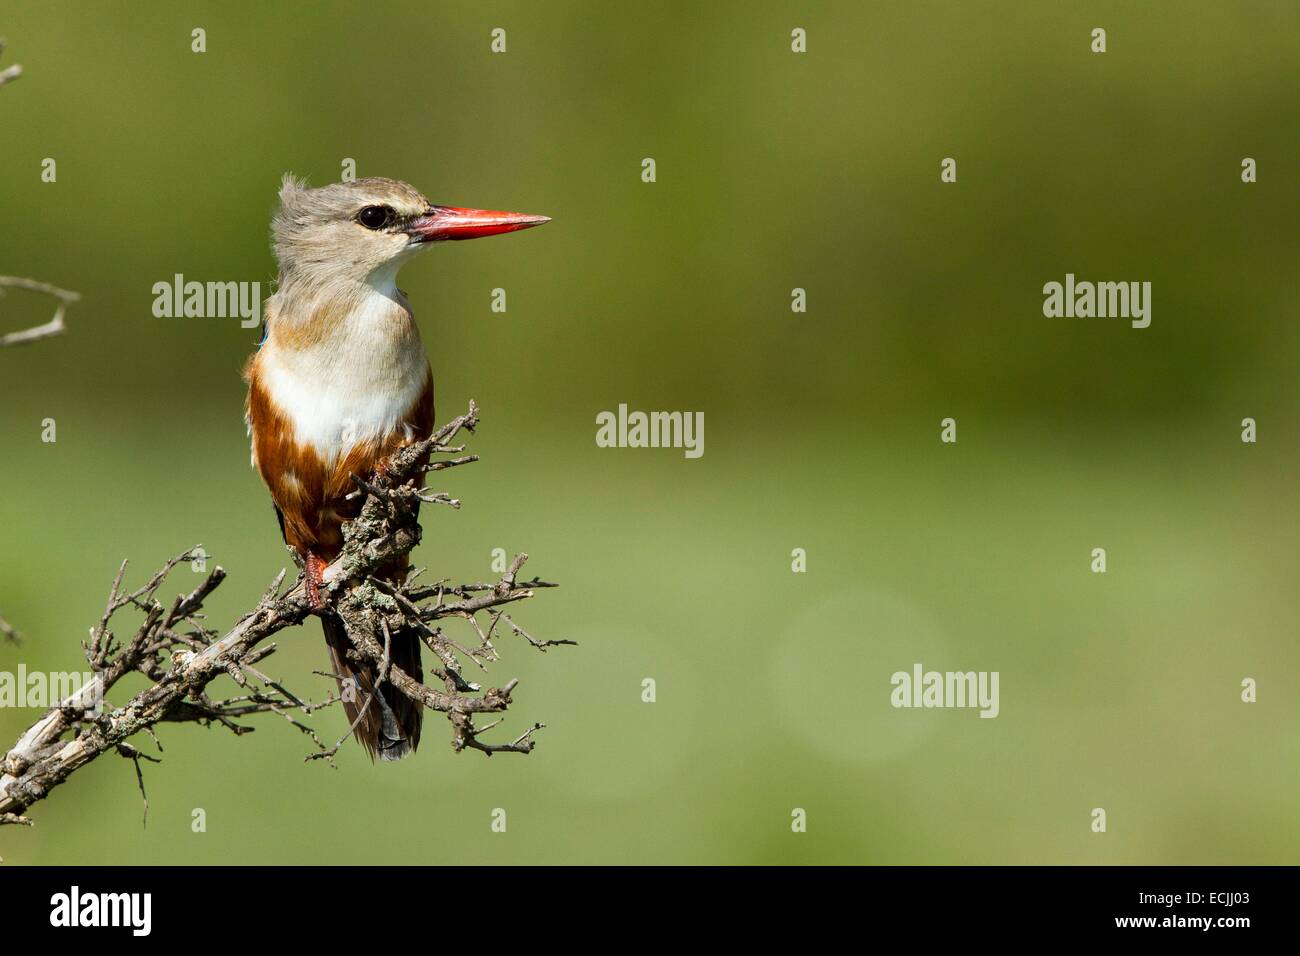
pixel 340 382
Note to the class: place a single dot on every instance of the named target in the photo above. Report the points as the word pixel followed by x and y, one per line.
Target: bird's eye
pixel 375 217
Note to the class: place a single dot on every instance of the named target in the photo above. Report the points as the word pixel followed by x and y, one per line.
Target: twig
pixel 9 633
pixel 52 327
pixel 540 645
pixel 135 756
pixel 9 74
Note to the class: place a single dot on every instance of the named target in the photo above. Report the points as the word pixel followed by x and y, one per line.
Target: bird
pixel 339 383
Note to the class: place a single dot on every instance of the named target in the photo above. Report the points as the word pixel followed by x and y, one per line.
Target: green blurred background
pixel 775 171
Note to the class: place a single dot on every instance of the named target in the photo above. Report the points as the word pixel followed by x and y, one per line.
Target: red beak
pixel 451 222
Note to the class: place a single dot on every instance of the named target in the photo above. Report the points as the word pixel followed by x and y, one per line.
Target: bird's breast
pixel 355 385
pixel 333 412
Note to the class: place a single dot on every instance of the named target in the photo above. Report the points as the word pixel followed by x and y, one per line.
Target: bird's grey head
pixel 344 230
pixel 362 231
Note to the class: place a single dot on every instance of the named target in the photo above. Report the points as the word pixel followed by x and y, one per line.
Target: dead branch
pixel 45 330
pixel 11 73
pixel 182 657
pixel 55 325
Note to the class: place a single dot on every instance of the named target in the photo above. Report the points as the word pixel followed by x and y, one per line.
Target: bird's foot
pixel 314 568
pixel 384 467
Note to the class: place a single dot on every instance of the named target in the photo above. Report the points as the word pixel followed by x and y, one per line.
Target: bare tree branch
pixel 55 325
pixel 9 74
pixel 182 657
pixel 44 331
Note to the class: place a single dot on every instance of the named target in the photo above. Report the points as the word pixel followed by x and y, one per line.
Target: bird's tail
pixel 390 728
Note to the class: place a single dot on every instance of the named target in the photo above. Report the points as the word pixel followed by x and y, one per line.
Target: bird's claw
pixel 314 568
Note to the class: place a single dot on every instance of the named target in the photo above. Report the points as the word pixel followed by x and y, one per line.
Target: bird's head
pixel 364 230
